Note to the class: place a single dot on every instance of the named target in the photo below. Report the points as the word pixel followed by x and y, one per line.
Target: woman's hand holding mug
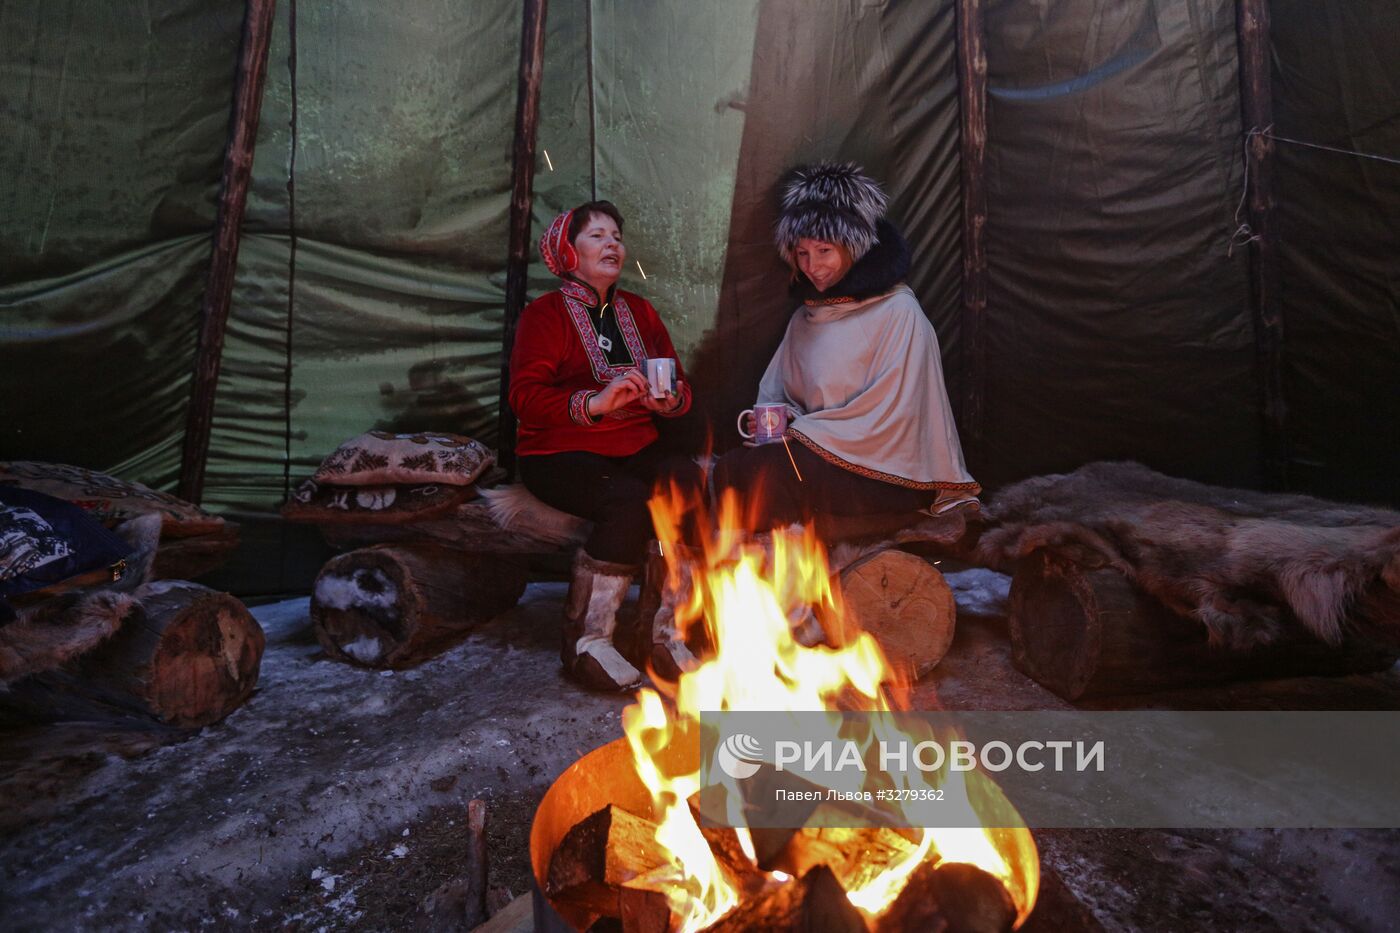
pixel 763 424
pixel 621 392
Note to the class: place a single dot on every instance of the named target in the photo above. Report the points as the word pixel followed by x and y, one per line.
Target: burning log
pixel 856 856
pixel 395 606
pixel 644 911
pixel 972 900
pixel 950 896
pixel 816 902
pixel 187 656
pixel 600 854
pixel 903 602
pixel 728 850
pixel 1085 633
pixel 916 907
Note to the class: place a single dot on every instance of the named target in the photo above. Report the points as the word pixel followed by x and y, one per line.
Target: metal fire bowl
pixel 603 776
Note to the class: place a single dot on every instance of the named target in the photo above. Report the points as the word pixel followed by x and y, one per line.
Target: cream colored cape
pixel 865 383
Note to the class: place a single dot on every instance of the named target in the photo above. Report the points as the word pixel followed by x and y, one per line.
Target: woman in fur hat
pixel 871 430
pixel 587 438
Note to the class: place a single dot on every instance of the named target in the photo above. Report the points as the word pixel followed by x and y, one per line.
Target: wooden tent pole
pixel 522 192
pixel 972 100
pixel 218 289
pixel 1257 109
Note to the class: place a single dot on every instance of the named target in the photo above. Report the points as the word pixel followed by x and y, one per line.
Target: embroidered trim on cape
pixel 578 408
pixel 859 470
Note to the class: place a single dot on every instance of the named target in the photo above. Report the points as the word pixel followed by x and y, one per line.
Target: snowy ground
pixel 324 760
pixel 333 798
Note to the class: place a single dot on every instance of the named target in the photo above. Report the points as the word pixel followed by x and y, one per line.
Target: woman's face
pixel 823 263
pixel 600 252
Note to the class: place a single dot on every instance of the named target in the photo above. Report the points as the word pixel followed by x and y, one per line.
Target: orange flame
pixel 747 593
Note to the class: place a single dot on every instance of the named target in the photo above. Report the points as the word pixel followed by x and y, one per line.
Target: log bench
pixel 184 655
pixel 422 586
pixel 393 606
pixel 899 597
pixel 1086 633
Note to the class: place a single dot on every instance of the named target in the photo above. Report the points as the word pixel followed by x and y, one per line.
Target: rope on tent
pixel 1353 152
pixel 1244 234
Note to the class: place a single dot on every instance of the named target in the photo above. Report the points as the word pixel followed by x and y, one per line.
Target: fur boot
pixel 596 592
pixel 658 642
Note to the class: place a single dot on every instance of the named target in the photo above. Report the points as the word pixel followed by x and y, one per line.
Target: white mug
pixel 770 423
pixel 661 376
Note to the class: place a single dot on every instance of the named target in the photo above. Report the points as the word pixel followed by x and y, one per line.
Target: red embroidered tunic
pixel 557 364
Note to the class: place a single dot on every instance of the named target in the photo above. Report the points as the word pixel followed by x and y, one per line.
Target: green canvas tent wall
pixel 370 284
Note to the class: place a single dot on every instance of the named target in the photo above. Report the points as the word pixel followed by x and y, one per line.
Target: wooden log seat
pixel 1090 632
pixel 505 520
pixel 397 605
pixel 904 602
pixel 898 597
pixel 185 655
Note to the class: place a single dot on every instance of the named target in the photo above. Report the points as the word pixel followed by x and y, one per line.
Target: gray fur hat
pixel 832 201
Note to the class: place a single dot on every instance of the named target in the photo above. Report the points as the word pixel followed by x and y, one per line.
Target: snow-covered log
pixel 397 605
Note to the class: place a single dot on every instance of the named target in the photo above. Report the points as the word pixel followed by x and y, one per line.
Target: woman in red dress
pixel 587 438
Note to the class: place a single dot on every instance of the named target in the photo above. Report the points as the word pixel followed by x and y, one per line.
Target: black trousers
pixel 611 492
pixel 773 494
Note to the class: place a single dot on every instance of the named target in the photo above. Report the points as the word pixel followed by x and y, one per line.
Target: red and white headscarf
pixel 558 253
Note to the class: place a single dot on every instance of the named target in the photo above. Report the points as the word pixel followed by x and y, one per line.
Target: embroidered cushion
pixel 109 500
pixel 44 540
pixel 321 504
pixel 380 458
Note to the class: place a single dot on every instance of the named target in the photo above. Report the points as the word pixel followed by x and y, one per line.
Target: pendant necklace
pixel 603 341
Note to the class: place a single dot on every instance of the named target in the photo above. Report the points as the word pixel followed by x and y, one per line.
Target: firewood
pixel 598 855
pixel 644 911
pixel 186 655
pixel 830 832
pixel 815 903
pixel 395 606
pixel 972 900
pixel 856 856
pixel 916 907
pixel 904 602
pixel 727 849
pixel 1085 633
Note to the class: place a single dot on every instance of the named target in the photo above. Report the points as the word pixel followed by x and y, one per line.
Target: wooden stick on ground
pixel 460 903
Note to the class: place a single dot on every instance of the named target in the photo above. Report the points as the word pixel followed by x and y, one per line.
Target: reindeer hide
pixel 1242 562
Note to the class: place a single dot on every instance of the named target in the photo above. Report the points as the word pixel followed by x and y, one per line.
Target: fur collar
pixel 878 271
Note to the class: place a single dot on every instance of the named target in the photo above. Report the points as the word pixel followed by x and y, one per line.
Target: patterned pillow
pixel 381 505
pixel 44 540
pixel 27 542
pixel 109 500
pixel 383 459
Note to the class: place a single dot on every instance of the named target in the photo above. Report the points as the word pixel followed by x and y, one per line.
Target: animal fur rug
pixel 1239 561
pixel 45 635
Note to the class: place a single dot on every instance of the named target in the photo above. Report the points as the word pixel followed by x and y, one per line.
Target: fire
pixel 747 595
